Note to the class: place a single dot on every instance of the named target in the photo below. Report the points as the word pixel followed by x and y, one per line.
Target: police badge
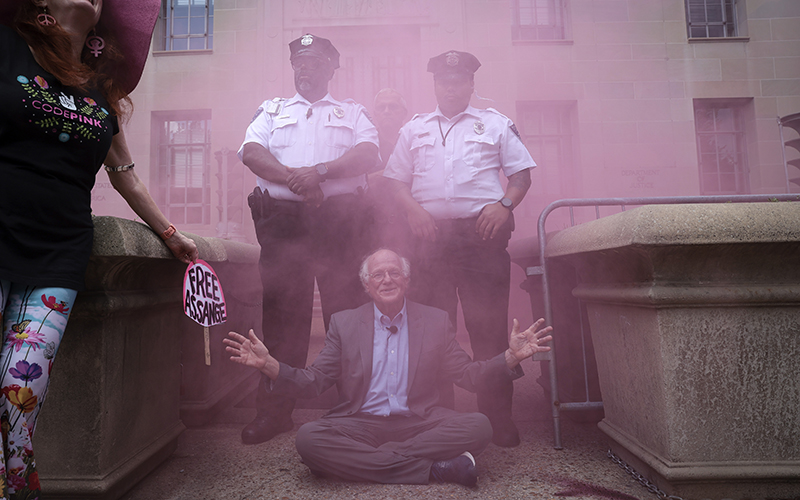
pixel 339 112
pixel 451 59
pixel 306 40
pixel 479 127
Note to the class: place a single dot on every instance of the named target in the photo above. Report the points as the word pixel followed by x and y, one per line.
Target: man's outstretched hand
pixel 524 344
pixel 251 352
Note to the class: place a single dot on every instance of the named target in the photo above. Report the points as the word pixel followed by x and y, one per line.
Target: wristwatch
pixel 506 202
pixel 322 170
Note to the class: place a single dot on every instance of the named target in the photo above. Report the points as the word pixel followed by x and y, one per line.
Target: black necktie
pixel 392 329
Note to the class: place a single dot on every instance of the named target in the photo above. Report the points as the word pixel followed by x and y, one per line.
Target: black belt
pixel 262 204
pixel 466 224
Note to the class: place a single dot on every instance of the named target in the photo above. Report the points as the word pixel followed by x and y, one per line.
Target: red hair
pixel 53 48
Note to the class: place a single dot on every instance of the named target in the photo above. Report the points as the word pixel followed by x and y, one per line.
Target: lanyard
pixel 441 132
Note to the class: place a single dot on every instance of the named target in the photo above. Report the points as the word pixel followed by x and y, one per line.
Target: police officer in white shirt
pixel 311 154
pixel 445 170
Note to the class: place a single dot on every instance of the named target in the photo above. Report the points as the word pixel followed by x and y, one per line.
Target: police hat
pixel 311 45
pixel 454 61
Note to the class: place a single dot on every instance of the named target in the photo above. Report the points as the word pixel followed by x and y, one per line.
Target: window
pixel 721 147
pixel 183 143
pixel 712 18
pixel 547 131
pixel 365 76
pixel 187 24
pixel 538 20
pixel 367 68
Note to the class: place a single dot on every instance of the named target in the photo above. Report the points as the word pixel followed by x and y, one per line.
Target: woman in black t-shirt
pixel 63 85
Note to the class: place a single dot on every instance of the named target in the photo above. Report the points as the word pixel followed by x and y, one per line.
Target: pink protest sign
pixel 203 300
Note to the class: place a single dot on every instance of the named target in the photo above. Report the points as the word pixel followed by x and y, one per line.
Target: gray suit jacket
pixel 346 360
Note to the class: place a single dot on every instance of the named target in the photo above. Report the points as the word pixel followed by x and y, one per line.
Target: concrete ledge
pixel 696 224
pixel 115 237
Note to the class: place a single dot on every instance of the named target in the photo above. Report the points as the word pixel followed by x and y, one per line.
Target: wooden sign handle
pixel 207 342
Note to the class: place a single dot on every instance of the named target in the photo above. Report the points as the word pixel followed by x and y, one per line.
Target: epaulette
pixel 512 126
pixel 366 113
pixel 496 112
pixel 275 106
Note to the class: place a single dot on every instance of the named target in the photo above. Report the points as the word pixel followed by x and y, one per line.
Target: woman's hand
pixel 183 248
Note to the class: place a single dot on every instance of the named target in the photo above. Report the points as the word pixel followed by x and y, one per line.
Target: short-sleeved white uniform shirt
pixel 303 134
pixel 453 165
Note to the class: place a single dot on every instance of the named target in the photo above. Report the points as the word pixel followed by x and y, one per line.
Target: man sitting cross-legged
pixel 386 358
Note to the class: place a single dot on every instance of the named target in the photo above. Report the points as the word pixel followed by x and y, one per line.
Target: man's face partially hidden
pixel 453 92
pixel 389 112
pixel 311 75
pixel 386 283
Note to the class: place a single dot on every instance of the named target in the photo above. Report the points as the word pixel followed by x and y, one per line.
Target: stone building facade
pixel 612 97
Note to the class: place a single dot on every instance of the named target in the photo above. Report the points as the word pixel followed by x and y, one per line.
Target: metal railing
pixel 556 405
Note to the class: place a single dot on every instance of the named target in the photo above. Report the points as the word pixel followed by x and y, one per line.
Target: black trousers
pixel 459 265
pixel 298 245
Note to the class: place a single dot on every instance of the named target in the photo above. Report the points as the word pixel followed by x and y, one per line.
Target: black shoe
pixel 459 470
pixel 505 435
pixel 263 429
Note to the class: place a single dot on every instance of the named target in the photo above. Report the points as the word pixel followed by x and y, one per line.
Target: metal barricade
pixel 542 269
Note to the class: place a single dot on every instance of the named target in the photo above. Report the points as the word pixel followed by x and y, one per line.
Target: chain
pixel 651 487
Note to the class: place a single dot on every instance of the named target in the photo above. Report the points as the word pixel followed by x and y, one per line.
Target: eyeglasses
pixel 393 274
pixel 389 107
pixel 308 62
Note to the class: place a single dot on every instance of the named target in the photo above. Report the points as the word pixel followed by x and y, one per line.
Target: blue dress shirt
pixel 388 387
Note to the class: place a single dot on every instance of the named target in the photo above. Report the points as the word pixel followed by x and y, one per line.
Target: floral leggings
pixel 33 321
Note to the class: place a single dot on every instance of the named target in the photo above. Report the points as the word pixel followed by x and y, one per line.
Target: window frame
pixel 731 28
pixel 739 134
pixel 535 32
pixel 166 39
pixel 566 140
pixel 162 155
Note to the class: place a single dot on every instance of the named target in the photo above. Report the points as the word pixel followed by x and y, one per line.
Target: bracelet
pixel 168 232
pixel 120 168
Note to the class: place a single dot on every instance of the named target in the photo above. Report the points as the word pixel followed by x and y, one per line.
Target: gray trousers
pixel 394 449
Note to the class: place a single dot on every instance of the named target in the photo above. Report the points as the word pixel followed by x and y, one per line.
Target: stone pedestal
pixel 113 411
pixel 695 317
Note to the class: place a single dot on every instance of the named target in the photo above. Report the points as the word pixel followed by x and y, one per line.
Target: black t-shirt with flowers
pixel 53 140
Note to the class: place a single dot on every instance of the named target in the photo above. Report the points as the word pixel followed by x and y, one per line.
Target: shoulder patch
pixel 514 129
pixel 258 112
